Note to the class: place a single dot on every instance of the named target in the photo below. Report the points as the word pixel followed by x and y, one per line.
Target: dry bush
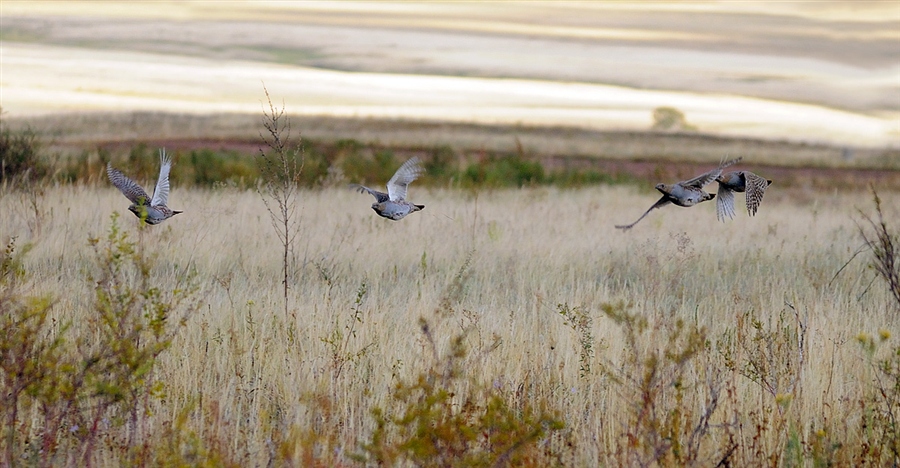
pixel 280 169
pixel 885 247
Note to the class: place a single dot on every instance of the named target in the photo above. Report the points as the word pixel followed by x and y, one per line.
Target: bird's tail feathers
pixel 725 162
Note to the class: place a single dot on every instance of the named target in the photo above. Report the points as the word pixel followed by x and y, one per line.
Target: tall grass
pixel 685 342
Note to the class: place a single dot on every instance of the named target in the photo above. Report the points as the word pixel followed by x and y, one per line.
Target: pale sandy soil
pixel 813 72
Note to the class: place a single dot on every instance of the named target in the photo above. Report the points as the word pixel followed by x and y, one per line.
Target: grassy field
pixel 499 326
pixel 685 340
pixel 812 72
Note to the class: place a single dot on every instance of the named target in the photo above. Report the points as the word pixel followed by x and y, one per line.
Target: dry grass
pixel 250 372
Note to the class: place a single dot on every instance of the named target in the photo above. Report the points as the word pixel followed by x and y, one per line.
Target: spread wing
pixel 710 176
pixel 408 172
pixel 756 188
pixel 128 187
pixel 161 193
pixel 380 197
pixel 663 201
pixel 724 203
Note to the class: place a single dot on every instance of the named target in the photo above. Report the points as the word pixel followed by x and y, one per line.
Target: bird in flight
pixel 739 181
pixel 152 210
pixel 686 193
pixel 393 205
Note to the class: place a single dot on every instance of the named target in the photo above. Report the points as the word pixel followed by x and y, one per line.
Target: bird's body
pixel 686 193
pixel 396 210
pixel 152 210
pixel 682 195
pixel 739 181
pixel 155 214
pixel 393 205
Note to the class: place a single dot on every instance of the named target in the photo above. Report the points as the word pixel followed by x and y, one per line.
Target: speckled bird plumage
pixel 685 193
pixel 739 181
pixel 152 209
pixel 393 205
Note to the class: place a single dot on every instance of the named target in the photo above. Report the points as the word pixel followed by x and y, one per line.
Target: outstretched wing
pixel 380 197
pixel 408 172
pixel 710 176
pixel 128 187
pixel 663 201
pixel 756 188
pixel 724 202
pixel 161 193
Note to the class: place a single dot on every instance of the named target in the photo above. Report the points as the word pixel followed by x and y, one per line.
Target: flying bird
pixel 686 193
pixel 393 205
pixel 152 210
pixel 739 181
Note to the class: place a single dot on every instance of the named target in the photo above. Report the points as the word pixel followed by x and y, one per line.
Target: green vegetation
pixel 445 416
pixel 324 163
pixel 19 155
pixel 72 391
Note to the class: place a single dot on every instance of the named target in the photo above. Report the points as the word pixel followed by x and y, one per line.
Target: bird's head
pixel 730 178
pixel 664 188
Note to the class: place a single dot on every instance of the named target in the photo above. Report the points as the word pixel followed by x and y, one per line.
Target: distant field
pixel 815 72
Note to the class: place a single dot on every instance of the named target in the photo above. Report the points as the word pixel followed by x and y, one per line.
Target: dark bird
pixel 739 181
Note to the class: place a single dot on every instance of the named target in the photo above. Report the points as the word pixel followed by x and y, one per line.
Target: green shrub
pixel 666 381
pixel 446 417
pixel 212 168
pixel 441 163
pixel 28 357
pixel 80 386
pixel 19 155
pixel 503 172
pixel 376 170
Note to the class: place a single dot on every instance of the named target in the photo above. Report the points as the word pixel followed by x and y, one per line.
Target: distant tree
pixel 670 118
